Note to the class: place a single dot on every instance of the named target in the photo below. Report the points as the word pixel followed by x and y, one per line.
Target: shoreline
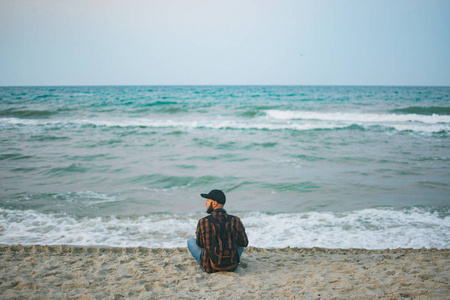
pixel 81 272
pixel 102 248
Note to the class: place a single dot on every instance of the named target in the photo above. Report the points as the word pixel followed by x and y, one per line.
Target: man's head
pixel 215 199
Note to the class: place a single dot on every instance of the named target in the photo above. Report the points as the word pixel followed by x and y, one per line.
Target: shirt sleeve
pixel 242 239
pixel 199 235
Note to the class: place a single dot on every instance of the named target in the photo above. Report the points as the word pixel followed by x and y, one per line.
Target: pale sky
pixel 227 42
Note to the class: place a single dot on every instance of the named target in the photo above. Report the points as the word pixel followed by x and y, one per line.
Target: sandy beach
pixel 66 272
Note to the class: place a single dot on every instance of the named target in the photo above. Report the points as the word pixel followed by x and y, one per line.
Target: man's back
pixel 205 235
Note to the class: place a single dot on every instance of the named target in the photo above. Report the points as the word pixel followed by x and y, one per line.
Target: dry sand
pixel 65 272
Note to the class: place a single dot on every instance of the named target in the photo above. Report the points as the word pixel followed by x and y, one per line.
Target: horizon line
pixel 223 85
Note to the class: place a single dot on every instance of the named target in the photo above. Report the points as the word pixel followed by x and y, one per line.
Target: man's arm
pixel 199 235
pixel 242 239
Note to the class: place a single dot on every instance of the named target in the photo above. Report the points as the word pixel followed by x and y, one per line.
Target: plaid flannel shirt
pixel 204 236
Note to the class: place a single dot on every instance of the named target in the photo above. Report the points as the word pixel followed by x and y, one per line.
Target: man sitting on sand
pixel 220 238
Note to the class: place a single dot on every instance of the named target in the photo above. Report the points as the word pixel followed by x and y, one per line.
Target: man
pixel 201 246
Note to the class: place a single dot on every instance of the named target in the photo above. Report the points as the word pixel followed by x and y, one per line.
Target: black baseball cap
pixel 216 195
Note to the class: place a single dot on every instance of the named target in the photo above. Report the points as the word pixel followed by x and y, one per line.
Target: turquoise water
pixel 319 166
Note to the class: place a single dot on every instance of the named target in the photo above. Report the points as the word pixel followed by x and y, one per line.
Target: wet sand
pixel 66 272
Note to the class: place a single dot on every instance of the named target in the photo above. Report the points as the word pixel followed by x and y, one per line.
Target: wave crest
pixel 424 110
pixel 276 120
pixel 356 117
pixel 369 228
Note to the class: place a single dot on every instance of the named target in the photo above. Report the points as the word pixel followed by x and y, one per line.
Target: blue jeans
pixel 197 251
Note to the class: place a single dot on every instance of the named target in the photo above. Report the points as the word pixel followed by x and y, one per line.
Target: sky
pixel 228 42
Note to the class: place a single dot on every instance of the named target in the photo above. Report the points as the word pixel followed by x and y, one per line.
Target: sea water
pixel 302 166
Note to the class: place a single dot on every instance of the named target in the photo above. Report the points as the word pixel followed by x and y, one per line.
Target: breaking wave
pixel 357 117
pixel 295 121
pixel 368 228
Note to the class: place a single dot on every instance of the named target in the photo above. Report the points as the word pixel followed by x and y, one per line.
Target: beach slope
pixel 66 272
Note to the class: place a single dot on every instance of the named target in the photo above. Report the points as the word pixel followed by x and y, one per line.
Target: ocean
pixel 302 166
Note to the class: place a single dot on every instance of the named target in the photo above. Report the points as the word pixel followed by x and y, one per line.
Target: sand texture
pixel 65 272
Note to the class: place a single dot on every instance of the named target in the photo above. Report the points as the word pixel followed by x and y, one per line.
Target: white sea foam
pixel 279 120
pixel 30 227
pixel 87 197
pixel 369 228
pixel 356 117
